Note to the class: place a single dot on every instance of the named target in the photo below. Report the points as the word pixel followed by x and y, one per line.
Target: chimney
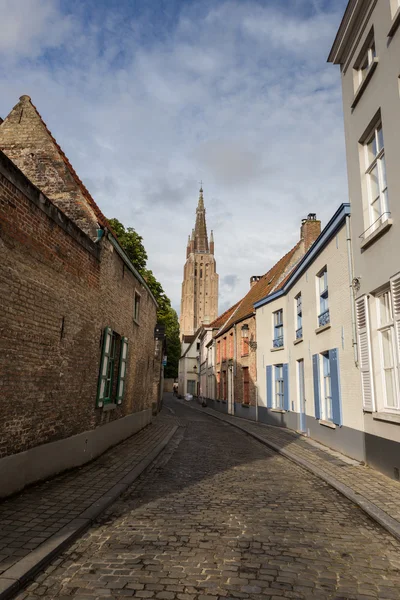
pixel 310 230
pixel 254 279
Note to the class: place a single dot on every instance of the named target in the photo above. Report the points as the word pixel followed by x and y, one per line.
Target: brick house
pixel 79 367
pixel 236 343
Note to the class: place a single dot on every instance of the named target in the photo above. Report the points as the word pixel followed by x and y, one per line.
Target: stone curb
pixel 373 511
pixel 16 576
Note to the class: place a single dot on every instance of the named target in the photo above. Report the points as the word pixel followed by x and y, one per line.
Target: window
pixel 387 349
pixel 246 390
pixel 376 179
pixel 136 309
pixel 278 329
pixel 327 388
pixel 299 317
pixel 224 385
pixel 323 317
pixel 364 62
pixel 279 387
pixel 198 346
pixel 230 346
pixel 218 351
pixel 113 369
pixel 245 340
pixel 224 349
pixel 218 386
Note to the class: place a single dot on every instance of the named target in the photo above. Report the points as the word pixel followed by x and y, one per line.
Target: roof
pixel 271 281
pixel 330 230
pixel 353 15
pixel 219 321
pixel 102 220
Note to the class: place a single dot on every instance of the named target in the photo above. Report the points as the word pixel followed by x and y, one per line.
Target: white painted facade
pixel 329 254
pixel 189 368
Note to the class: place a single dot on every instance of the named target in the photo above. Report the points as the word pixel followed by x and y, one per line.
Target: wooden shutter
pixel 123 362
pixel 103 387
pixel 317 401
pixel 395 290
pixel 335 387
pixel 269 386
pixel 364 345
pixel 286 404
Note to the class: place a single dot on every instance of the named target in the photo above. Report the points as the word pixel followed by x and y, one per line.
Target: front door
pixel 302 424
pixel 231 404
pixel 191 387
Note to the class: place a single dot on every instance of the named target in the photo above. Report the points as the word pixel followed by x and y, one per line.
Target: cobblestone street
pixel 220 515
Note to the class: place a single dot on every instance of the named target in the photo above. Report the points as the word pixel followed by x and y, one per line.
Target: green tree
pixel 132 243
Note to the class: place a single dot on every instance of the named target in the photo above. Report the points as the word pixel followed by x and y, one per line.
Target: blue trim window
pixel 323 317
pixel 327 387
pixel 299 317
pixel 278 329
pixel 279 387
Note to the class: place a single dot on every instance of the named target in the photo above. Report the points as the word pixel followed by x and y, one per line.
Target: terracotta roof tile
pixel 219 321
pixel 272 281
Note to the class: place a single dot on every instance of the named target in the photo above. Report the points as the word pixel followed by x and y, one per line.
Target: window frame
pixel 136 307
pixel 279 387
pixel 376 161
pixel 326 385
pixel 278 339
pixel 384 326
pixel 323 296
pixel 299 316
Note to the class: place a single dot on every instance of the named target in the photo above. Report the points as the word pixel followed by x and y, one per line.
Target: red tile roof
pixel 219 321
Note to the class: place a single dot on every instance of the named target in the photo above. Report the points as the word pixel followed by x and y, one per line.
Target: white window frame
pixel 384 326
pixel 136 307
pixel 364 63
pixel 299 315
pixel 278 327
pixel 326 387
pixel 376 161
pixel 323 296
pixel 279 387
pixel 394 7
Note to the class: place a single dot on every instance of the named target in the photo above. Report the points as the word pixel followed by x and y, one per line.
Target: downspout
pixel 352 301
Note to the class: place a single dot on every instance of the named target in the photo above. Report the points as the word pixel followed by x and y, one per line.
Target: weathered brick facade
pixel 59 289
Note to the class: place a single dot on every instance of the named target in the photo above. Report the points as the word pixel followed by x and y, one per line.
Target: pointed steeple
pixel 201 239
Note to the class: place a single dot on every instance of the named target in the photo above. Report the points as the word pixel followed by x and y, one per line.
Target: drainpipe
pixel 352 301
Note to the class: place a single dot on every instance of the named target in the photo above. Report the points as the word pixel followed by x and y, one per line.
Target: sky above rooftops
pixel 148 97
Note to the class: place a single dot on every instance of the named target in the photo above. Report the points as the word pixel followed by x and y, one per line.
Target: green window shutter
pixel 123 361
pixel 104 386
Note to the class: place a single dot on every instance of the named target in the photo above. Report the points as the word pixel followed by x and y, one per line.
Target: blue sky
pixel 148 97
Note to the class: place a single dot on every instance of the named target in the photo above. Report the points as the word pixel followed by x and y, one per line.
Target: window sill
pixel 379 231
pixel 298 341
pixel 136 321
pixel 389 417
pixel 395 24
pixel 328 424
pixel 277 349
pixel 243 355
pixel 245 405
pixel 278 410
pixel 322 328
pixel 363 84
pixel 108 407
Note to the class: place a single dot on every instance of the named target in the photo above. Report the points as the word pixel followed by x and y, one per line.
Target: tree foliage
pixel 132 243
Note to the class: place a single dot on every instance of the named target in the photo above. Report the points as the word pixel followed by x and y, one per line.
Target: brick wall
pixel 58 290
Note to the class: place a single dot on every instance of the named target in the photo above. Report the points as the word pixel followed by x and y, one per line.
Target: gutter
pixel 130 266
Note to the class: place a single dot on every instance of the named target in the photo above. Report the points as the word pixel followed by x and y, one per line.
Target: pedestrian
pixel 175 388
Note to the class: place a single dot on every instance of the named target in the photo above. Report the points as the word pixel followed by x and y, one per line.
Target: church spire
pixel 201 239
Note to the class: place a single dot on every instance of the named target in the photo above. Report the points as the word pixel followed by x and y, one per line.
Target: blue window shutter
pixel 286 404
pixel 335 387
pixel 269 386
pixel 317 401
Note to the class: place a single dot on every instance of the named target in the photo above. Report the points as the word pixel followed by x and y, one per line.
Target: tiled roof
pixel 270 282
pixel 219 321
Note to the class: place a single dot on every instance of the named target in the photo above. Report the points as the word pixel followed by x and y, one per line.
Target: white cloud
pixel 240 97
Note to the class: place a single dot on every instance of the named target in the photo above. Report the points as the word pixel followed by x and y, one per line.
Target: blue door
pixel 302 402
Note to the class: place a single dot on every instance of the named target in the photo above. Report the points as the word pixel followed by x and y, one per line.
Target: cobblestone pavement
pixel 219 515
pixel 375 487
pixel 28 519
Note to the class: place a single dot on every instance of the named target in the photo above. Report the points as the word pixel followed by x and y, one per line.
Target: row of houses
pixel 315 343
pixel 80 350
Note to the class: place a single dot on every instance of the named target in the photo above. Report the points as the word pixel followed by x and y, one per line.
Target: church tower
pixel 199 302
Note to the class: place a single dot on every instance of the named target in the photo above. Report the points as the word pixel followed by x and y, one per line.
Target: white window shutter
pixel 395 290
pixel 364 345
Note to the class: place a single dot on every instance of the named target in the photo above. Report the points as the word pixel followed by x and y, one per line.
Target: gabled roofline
pixel 335 223
pixel 196 336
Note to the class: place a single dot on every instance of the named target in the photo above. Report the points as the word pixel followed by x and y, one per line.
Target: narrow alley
pixel 218 514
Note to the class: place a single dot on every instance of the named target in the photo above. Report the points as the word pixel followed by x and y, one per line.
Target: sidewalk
pixel 39 522
pixel 374 493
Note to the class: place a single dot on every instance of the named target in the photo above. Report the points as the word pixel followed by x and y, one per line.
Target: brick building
pixel 79 367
